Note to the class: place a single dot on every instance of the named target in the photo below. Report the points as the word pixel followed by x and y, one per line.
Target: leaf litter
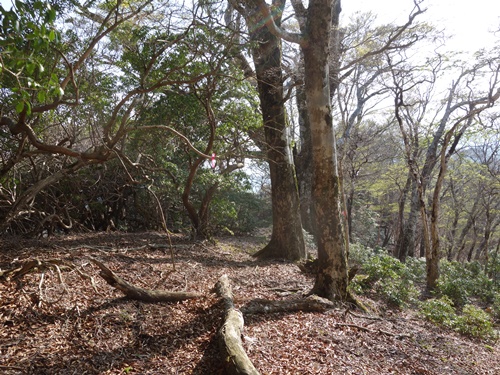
pixel 67 320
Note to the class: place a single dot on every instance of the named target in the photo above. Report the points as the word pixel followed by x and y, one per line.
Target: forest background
pixel 198 119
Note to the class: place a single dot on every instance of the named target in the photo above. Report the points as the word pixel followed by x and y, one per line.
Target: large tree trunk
pixel 332 277
pixel 287 241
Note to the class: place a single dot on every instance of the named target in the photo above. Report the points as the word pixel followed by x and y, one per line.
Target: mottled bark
pixel 233 354
pixel 303 161
pixel 332 277
pixel 287 240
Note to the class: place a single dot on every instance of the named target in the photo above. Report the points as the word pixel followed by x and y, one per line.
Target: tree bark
pixel 303 158
pixel 287 241
pixel 332 277
pixel 311 303
pixel 234 356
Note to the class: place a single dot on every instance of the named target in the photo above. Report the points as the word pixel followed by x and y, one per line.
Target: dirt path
pixel 69 321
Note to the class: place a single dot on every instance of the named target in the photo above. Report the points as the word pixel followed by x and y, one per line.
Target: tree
pixel 465 100
pixel 356 69
pixel 314 41
pixel 124 56
pixel 287 239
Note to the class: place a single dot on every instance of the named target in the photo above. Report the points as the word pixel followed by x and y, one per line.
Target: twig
pixel 88 277
pixel 361 328
pixel 40 284
pixel 4 367
pixel 60 277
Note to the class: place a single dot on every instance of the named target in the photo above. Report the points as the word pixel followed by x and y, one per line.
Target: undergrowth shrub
pixel 457 285
pixel 385 274
pixel 475 322
pixel 495 308
pixel 439 311
pixel 472 322
pixel 461 281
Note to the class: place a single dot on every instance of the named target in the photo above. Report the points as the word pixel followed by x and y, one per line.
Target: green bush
pixel 439 311
pixel 385 274
pixel 475 322
pixel 399 291
pixel 359 255
pixel 383 266
pixel 460 281
pixel 416 268
pixel 455 282
pixel 495 308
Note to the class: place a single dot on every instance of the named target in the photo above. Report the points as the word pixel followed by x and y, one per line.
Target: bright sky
pixel 468 21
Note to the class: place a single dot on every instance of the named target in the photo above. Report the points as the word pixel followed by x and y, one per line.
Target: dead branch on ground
pixel 234 356
pixel 311 303
pixel 138 293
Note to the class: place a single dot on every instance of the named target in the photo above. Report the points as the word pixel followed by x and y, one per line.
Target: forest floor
pixel 60 320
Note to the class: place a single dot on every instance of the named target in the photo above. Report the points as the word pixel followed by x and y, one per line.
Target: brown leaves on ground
pixel 53 321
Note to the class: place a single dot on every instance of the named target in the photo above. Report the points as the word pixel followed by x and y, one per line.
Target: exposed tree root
pixel 234 356
pixel 311 303
pixel 35 264
pixel 138 293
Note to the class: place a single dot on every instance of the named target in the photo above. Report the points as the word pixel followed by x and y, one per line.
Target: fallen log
pixel 138 293
pixel 311 303
pixel 234 356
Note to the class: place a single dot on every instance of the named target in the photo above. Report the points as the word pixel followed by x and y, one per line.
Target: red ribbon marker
pixel 212 162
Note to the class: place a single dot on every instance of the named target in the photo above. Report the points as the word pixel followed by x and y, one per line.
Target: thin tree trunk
pixel 303 161
pixel 197 218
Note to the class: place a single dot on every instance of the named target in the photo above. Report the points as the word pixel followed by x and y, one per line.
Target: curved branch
pixel 140 294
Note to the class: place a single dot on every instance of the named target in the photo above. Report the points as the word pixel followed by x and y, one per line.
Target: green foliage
pixel 239 211
pixel 472 322
pixel 399 291
pixel 475 322
pixel 386 274
pixel 495 308
pixel 439 311
pixel 359 254
pixel 27 31
pixel 459 282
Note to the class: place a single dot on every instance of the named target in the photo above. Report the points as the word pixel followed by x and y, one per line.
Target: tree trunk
pixel 402 243
pixel 303 160
pixel 287 241
pixel 332 277
pixel 199 219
